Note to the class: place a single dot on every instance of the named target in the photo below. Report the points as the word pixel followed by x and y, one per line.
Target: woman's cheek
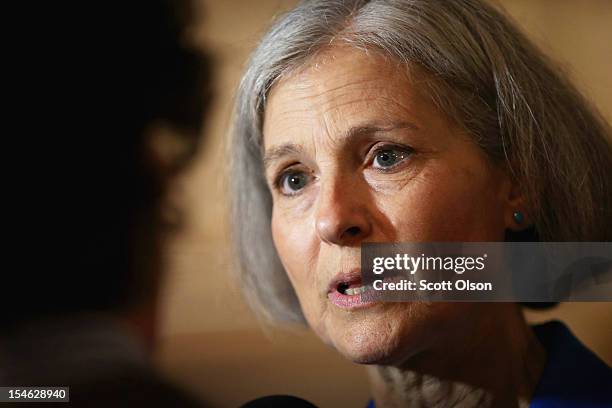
pixel 293 244
pixel 297 246
pixel 280 233
pixel 292 224
pixel 446 209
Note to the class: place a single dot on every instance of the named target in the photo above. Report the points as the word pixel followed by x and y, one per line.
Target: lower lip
pixel 349 301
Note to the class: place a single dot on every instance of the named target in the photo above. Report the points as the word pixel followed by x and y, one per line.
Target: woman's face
pixel 355 152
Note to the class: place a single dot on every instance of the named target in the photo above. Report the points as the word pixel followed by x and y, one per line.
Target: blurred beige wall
pixel 208 335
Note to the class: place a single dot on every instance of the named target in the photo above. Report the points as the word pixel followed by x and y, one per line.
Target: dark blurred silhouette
pixel 117 97
pixel 278 401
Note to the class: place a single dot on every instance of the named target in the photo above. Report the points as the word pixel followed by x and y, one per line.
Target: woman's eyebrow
pixel 277 152
pixel 368 129
pixel 356 132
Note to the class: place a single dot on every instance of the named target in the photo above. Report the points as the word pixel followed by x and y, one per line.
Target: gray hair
pixel 484 74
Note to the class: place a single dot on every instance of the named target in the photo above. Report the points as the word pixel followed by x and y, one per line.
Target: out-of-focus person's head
pixel 403 121
pixel 130 93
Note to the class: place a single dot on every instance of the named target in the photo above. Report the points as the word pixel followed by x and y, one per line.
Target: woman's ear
pixel 516 216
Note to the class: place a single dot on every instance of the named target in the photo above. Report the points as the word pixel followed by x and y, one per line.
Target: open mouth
pixel 347 291
pixel 352 288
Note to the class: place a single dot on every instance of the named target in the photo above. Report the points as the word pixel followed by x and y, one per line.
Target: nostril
pixel 353 231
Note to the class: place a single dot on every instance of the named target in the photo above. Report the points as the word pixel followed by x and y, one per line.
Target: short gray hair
pixel 484 74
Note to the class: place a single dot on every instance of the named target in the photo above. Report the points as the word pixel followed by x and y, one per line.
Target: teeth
pixel 356 291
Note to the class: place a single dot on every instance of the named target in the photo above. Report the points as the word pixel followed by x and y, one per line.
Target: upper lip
pixel 349 277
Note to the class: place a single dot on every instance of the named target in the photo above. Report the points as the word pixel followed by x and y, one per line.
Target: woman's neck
pixel 497 364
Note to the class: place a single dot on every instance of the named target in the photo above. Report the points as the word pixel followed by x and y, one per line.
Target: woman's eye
pixel 387 158
pixel 292 182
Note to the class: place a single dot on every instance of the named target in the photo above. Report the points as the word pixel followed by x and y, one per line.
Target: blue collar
pixel 573 376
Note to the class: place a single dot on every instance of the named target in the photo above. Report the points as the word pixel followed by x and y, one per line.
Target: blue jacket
pixel 573 376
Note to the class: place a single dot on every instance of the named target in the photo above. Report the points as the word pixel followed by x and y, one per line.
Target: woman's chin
pixel 370 348
pixel 383 335
pixel 382 340
pixel 368 356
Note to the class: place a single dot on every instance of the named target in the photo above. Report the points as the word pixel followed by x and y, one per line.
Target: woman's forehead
pixel 341 88
pixel 337 70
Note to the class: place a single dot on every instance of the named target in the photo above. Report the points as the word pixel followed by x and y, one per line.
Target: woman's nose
pixel 342 216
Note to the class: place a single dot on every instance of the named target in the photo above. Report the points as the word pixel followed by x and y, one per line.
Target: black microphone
pixel 279 401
